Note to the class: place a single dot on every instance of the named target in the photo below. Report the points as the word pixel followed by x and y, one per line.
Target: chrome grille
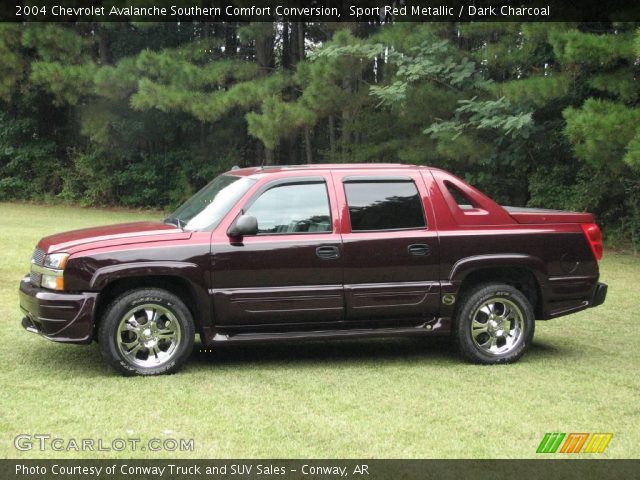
pixel 37 259
pixel 35 278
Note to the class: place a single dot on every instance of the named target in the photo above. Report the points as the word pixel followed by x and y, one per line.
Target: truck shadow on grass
pixel 436 350
pixel 319 351
pixel 87 362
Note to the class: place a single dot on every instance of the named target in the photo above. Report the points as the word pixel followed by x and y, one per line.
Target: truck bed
pixel 542 215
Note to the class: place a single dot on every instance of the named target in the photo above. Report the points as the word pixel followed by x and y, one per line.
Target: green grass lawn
pixel 400 398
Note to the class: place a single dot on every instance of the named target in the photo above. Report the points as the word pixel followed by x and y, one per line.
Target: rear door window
pixel 384 205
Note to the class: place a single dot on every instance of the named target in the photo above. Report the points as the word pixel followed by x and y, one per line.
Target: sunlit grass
pixel 355 398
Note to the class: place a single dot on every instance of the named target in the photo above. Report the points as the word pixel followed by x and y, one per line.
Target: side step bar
pixel 423 329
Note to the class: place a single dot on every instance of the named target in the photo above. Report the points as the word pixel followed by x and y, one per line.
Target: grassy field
pixel 399 398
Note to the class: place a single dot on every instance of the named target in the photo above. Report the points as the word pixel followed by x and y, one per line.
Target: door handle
pixel 328 252
pixel 419 249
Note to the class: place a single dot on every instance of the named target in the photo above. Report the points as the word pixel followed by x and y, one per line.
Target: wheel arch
pixel 523 272
pixel 178 285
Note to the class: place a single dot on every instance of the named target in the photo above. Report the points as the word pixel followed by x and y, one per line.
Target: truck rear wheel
pixel 495 324
pixel 148 331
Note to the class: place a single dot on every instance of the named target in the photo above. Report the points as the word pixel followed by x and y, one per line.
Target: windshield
pixel 206 208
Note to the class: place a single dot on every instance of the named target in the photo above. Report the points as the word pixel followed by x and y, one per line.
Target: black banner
pixel 320 10
pixel 317 469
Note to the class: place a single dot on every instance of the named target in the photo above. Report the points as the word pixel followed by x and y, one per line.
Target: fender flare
pixel 105 275
pixel 463 267
pixel 188 272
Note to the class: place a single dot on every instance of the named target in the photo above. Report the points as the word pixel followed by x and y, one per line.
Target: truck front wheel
pixel 147 331
pixel 495 324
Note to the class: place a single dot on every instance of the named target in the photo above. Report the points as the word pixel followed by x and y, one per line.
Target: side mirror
pixel 244 225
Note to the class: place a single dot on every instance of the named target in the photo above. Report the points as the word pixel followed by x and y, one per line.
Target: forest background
pixel 144 114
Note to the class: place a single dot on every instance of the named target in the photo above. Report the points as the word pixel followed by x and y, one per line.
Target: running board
pixel 322 334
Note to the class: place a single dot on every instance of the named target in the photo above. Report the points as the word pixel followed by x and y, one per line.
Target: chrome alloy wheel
pixel 148 335
pixel 497 326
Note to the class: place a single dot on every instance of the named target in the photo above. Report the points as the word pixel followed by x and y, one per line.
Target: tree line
pixel 144 114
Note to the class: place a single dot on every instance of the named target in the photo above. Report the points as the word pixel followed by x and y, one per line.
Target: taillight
pixel 594 237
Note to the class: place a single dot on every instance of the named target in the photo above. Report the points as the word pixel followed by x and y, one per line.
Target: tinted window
pixel 461 198
pixel 299 208
pixel 206 208
pixel 388 205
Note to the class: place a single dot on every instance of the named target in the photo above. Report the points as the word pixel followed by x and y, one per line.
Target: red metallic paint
pixel 276 283
pixel 89 238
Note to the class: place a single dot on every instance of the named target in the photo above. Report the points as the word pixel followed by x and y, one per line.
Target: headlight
pixel 57 261
pixel 52 282
pixel 51 272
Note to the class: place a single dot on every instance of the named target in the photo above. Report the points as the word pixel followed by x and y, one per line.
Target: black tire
pixel 486 304
pixel 124 323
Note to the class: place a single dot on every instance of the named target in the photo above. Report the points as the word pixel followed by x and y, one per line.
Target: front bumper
pixel 58 316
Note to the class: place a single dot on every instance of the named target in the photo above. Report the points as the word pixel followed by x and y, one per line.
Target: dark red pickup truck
pixel 319 251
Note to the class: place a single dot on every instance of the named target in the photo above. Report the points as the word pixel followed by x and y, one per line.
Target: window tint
pixel 294 208
pixel 206 208
pixel 388 205
pixel 461 198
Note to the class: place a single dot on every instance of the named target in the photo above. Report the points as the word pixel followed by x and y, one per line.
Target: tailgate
pixel 542 215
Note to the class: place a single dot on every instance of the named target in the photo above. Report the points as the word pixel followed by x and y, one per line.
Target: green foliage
pixel 473 114
pixel 12 64
pixel 206 107
pixel 29 168
pixel 327 85
pixel 53 42
pixel 321 82
pixel 559 187
pixel 592 50
pixel 631 214
pixel 68 84
pixel 460 149
pixel 621 83
pixel 536 90
pixel 432 60
pixel 119 82
pixel 632 156
pixel 175 67
pixel 601 130
pixel 278 120
pixel 510 50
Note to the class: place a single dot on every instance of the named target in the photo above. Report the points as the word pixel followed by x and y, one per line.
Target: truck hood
pixel 108 235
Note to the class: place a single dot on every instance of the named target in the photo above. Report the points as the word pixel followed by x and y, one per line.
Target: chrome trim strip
pixel 280 289
pixel 46 271
pixel 32 329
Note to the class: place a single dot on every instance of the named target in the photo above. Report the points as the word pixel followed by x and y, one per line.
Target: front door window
pixel 292 208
